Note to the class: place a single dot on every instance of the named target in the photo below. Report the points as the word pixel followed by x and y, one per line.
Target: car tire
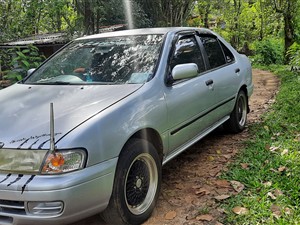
pixel 238 117
pixel 136 185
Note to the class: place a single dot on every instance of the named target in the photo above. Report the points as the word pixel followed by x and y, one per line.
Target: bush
pixel 268 51
pixel 21 61
pixel 294 54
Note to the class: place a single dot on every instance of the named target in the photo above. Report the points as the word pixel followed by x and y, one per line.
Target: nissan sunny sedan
pixel 89 130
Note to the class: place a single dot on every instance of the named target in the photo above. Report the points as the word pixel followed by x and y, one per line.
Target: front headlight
pixel 30 161
pixel 64 161
pixel 20 161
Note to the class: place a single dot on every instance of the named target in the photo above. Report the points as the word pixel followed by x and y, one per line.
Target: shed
pixel 46 43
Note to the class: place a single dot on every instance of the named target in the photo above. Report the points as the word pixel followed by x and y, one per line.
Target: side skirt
pixel 194 140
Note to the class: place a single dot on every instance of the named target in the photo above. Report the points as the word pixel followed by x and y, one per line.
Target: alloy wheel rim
pixel 141 184
pixel 242 111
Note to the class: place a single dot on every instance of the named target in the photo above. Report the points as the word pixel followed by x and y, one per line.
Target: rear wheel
pixel 136 185
pixel 238 116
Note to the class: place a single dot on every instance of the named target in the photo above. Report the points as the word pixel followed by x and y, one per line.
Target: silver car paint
pixel 73 105
pixel 102 118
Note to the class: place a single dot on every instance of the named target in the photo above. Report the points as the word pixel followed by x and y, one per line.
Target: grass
pixel 272 179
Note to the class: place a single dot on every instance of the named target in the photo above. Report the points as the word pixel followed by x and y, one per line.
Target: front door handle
pixel 209 82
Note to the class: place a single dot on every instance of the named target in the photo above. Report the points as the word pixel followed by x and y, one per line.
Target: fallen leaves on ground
pixel 237 186
pixel 276 211
pixel 281 169
pixel 245 166
pixel 202 191
pixel 222 183
pixel 285 152
pixel 170 215
pixel 222 197
pixel 240 210
pixel 273 148
pixel 267 184
pixel 270 194
pixel 278 193
pixel 205 217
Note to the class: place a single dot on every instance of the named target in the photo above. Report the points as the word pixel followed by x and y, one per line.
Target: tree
pixel 167 12
pixel 288 9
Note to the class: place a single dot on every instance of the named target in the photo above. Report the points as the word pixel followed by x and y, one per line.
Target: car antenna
pixel 52 138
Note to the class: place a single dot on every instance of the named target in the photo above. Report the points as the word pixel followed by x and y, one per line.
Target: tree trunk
pixel 289 35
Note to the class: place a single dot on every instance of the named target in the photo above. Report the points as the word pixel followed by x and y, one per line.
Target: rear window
pixel 214 51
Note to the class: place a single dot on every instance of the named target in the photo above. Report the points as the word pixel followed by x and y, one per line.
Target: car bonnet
pixel 25 110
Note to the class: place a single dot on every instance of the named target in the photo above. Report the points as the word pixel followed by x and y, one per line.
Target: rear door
pixel 225 74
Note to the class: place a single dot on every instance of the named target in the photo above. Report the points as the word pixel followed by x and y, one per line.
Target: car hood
pixel 25 110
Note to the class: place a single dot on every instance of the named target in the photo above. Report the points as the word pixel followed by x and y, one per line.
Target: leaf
pixel 281 169
pixel 287 211
pixel 25 51
pixel 284 152
pixel 276 211
pixel 240 210
pixel 205 217
pixel 26 63
pixel 228 156
pixel 273 148
pixel 210 158
pixel 278 193
pixel 170 215
pixel 267 184
pixel 245 166
pixel 21 54
pixel 221 197
pixel 270 194
pixel 222 183
pixel 237 186
pixel 202 191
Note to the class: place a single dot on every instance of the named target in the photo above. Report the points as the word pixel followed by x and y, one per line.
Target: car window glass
pixel 228 54
pixel 121 60
pixel 214 51
pixel 187 51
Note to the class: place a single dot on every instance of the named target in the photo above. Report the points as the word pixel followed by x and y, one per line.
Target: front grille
pixel 12 207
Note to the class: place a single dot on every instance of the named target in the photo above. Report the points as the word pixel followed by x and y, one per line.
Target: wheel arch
pixel 152 136
pixel 245 90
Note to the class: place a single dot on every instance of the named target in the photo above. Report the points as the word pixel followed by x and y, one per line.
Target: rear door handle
pixel 209 82
pixel 237 70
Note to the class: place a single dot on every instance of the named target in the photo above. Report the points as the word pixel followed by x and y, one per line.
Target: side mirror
pixel 185 71
pixel 30 71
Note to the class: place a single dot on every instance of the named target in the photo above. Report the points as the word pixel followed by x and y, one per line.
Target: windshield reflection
pixel 115 60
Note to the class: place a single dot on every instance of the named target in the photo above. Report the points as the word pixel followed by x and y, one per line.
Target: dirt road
pixel 191 185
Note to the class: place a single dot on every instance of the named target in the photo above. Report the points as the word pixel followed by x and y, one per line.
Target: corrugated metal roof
pixel 40 39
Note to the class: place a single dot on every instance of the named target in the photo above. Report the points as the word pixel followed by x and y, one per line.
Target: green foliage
pixel 268 51
pixel 272 155
pixel 294 54
pixel 21 61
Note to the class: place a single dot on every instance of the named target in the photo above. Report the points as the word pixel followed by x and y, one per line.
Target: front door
pixel 188 101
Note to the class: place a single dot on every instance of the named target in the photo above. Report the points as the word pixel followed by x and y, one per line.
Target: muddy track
pixel 191 182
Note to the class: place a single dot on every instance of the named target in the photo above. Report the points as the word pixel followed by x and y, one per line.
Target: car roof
pixel 146 31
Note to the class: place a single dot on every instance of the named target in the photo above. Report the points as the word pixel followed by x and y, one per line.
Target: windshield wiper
pixel 56 83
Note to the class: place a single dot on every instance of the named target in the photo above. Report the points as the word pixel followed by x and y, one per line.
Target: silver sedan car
pixel 89 130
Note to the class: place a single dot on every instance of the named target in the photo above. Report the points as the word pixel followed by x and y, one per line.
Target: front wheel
pixel 238 116
pixel 136 185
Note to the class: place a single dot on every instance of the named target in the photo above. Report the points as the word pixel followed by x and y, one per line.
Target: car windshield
pixel 113 60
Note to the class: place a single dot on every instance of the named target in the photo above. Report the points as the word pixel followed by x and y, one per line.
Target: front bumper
pixel 81 194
